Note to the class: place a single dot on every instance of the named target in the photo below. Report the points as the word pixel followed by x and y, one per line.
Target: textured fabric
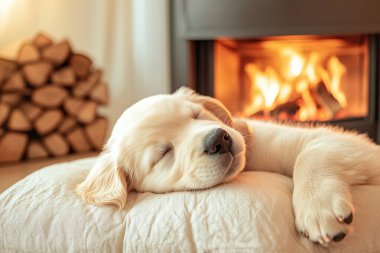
pixel 251 214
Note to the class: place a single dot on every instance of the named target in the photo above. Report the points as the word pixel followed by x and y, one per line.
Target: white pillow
pixel 253 213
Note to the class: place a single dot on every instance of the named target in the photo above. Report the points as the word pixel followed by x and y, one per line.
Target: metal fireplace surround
pixel 195 24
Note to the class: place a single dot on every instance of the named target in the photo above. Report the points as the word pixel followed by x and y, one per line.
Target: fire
pixel 311 84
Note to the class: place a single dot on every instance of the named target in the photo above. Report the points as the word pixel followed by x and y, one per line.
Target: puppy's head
pixel 164 143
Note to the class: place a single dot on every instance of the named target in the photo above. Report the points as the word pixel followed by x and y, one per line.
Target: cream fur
pixel 157 146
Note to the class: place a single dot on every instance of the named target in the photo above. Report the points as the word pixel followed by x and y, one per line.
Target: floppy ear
pixel 211 104
pixel 106 184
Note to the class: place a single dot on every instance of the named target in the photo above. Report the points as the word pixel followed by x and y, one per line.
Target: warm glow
pixel 310 81
pixel 5 8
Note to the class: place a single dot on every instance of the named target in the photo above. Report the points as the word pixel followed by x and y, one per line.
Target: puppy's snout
pixel 217 141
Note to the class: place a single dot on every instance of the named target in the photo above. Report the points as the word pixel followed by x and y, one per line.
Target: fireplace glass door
pixel 298 78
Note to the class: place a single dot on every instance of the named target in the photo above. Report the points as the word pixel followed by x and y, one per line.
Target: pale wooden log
pixel 73 105
pixel 57 53
pixel 64 76
pixel 28 53
pixel 12 146
pixel 36 150
pixel 48 121
pixel 15 83
pixel 7 67
pixel 11 99
pixel 100 93
pixel 49 96
pixel 56 144
pixel 18 121
pixel 78 141
pixel 37 74
pixel 87 112
pixel 4 113
pixel 96 133
pixel 81 64
pixel 84 87
pixel 31 111
pixel 67 125
pixel 42 41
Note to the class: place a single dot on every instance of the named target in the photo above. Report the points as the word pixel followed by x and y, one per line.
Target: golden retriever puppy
pixel 185 141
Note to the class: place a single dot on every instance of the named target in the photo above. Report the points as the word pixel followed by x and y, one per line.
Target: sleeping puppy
pixel 186 141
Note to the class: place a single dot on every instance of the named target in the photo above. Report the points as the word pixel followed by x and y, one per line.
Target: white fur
pixel 323 161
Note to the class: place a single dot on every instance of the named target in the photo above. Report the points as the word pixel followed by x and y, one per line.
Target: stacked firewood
pixel 49 98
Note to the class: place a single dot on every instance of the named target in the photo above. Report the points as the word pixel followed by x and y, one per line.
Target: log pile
pixel 49 100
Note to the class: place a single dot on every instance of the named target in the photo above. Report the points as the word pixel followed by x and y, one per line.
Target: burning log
pixel 289 108
pixel 49 100
pixel 326 100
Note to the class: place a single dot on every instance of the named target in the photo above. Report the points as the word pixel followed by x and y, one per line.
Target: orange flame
pixel 295 82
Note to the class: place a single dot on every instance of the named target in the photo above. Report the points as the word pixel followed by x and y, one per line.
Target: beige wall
pixel 128 39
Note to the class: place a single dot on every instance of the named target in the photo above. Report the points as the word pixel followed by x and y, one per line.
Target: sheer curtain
pixel 127 39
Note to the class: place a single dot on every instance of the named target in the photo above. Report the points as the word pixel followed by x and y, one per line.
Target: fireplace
pixel 277 64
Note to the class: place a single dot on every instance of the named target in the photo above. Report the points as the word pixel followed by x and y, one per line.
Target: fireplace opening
pixel 298 78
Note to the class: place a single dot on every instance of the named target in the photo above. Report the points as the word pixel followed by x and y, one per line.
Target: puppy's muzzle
pixel 217 141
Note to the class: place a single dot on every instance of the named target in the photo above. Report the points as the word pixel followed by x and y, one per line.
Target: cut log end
pixel 65 77
pixel 56 144
pixel 36 150
pixel 48 121
pixel 4 113
pixel 87 112
pixel 12 146
pixel 81 64
pixel 78 140
pixel 41 41
pixel 96 133
pixel 57 53
pixel 18 121
pixel 28 53
pixel 49 96
pixel 7 67
pixel 38 73
pixel 15 83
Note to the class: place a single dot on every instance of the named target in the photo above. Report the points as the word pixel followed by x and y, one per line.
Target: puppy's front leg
pixel 324 164
pixel 323 172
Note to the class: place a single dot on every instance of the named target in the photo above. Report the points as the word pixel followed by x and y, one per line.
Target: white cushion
pixel 253 213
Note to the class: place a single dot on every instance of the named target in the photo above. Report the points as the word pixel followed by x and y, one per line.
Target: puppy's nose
pixel 217 142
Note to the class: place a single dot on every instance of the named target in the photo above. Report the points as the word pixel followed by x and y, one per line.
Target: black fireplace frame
pixel 194 29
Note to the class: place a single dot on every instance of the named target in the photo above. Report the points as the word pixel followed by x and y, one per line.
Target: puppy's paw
pixel 323 213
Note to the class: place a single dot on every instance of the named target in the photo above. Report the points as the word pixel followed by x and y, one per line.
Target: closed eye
pixel 165 150
pixel 196 114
